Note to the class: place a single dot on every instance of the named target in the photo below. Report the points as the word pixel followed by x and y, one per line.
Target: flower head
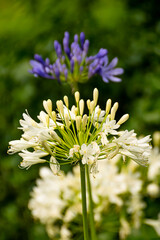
pixel 70 136
pixel 73 64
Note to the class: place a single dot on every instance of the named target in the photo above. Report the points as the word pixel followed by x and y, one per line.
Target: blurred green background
pixel 129 30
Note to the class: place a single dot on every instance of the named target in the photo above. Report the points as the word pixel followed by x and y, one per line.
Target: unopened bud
pixel 114 110
pixel 55 166
pixel 98 112
pixel 78 122
pixel 108 106
pixel 67 120
pixel 53 116
pixel 55 136
pixel 123 119
pixel 60 107
pixel 46 147
pixel 95 96
pixel 84 121
pixel 88 103
pixel 92 105
pixel 66 101
pixel 77 96
pixel 81 106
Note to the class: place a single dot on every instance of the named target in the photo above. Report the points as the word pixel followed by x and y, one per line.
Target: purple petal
pixel 36 64
pixel 116 71
pixel 115 79
pixel 76 38
pixel 102 52
pixel 38 58
pixel 82 39
pixel 105 79
pixel 112 64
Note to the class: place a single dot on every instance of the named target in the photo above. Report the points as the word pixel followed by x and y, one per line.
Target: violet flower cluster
pixel 73 64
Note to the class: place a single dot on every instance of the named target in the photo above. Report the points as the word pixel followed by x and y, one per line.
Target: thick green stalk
pixel 84 204
pixel 91 207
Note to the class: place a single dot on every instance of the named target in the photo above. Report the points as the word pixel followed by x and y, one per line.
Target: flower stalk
pixel 91 206
pixel 84 203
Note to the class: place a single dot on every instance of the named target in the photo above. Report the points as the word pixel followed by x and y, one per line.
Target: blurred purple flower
pixel 73 65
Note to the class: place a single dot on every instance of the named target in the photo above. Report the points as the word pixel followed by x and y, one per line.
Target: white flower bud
pixel 81 106
pixel 95 96
pixel 78 122
pixel 53 116
pixel 114 110
pixel 123 119
pixel 60 107
pixel 108 106
pixel 55 136
pixel 77 96
pixel 66 101
pixel 84 121
pixel 88 103
pixel 54 165
pixel 92 105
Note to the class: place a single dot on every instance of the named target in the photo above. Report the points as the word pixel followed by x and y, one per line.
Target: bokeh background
pixel 129 30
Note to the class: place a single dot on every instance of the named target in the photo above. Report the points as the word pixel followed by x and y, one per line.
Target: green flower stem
pixel 91 213
pixel 84 204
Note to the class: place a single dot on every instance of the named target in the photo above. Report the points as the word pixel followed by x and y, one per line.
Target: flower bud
pixel 108 106
pixel 95 96
pixel 81 106
pixel 114 110
pixel 66 101
pixel 77 96
pixel 123 119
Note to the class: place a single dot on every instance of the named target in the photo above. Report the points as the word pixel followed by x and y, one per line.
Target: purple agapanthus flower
pixel 73 64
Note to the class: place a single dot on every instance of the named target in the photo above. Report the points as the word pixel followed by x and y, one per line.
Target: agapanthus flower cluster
pixel 69 136
pixel 120 195
pixel 73 65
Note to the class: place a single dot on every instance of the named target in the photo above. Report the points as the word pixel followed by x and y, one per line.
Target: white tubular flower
pixel 27 122
pixel 98 114
pixel 89 153
pixel 54 165
pixel 31 158
pixel 70 135
pixel 74 150
pixel 18 145
pixel 109 127
pixel 137 149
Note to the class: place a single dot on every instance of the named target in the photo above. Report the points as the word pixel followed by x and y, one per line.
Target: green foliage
pixel 126 28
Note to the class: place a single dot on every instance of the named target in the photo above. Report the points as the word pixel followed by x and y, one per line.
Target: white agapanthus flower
pixel 71 136
pixel 90 153
pixel 60 199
